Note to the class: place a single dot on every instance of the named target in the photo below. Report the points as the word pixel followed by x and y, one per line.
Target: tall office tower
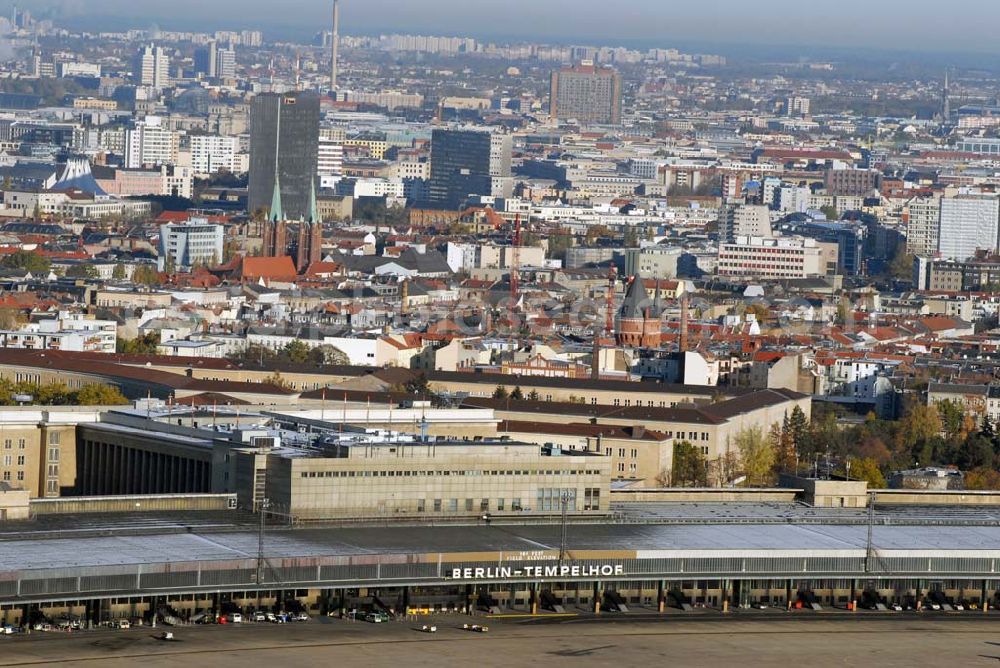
pixel 284 138
pixel 226 64
pixel 152 67
pixel 206 59
pixel 968 224
pixel 922 216
pixel 468 162
pixel 796 106
pixel 744 220
pixel 587 93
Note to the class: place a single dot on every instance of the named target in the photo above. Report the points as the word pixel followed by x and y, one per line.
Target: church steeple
pixel 276 210
pixel 313 207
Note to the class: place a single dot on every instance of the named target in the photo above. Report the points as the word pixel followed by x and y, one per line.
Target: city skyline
pixel 895 27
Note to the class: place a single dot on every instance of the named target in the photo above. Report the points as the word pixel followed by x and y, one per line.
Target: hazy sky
pixel 915 25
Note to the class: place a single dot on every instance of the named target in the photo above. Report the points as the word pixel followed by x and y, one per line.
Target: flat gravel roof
pixel 210 544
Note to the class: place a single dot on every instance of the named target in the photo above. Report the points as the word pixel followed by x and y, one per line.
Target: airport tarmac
pixel 909 640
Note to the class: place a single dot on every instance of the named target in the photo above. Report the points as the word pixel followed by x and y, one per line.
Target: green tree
pixel 534 396
pixel 254 353
pixel 146 344
pixel 559 241
pixel 99 395
pixel 784 450
pixel 630 238
pixel 920 425
pixel 866 469
pixel 27 261
pixel 952 415
pixel 145 274
pixel 10 318
pixel 517 394
pixel 798 429
pixel 689 467
pixel 830 212
pixel 419 385
pixel 757 454
pixel 296 352
pixel 82 271
pixel 982 479
pixel 277 380
pixel 118 273
pixel 500 392
pixel 327 355
pixel 901 266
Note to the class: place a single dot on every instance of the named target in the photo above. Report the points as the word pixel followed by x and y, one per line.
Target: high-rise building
pixel 922 216
pixel 796 106
pixel 206 59
pixel 968 224
pixel 468 163
pixel 151 142
pixel 744 220
pixel 330 162
pixel 152 67
pixel 212 153
pixel 226 64
pixel 284 139
pixel 587 93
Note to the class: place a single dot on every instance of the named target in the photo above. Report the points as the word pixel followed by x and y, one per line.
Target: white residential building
pixel 211 154
pixel 150 142
pixel 152 67
pixel 68 331
pixel 968 224
pixel 329 161
pixel 185 245
pixel 780 258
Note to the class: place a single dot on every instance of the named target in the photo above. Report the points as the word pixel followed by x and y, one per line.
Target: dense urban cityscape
pixel 420 328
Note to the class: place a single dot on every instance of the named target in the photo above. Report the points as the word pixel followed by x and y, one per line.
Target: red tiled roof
pixel 274 268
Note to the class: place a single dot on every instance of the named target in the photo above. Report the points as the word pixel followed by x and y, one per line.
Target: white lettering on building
pixel 509 572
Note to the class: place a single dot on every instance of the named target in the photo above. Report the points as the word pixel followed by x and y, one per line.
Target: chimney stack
pixel 683 345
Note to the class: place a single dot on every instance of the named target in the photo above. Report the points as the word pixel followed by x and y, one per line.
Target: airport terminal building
pixel 715 556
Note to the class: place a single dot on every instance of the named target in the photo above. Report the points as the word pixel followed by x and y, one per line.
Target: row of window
pixel 421 473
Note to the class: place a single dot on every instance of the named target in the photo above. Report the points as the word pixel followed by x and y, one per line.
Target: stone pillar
pixel 788 594
pixel 597 597
pixel 725 595
pixel 661 596
pixel 984 599
pixel 533 598
pixel 470 592
pixel 854 595
pixel 920 598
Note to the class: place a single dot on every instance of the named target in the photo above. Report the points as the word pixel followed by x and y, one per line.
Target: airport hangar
pixel 104 573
